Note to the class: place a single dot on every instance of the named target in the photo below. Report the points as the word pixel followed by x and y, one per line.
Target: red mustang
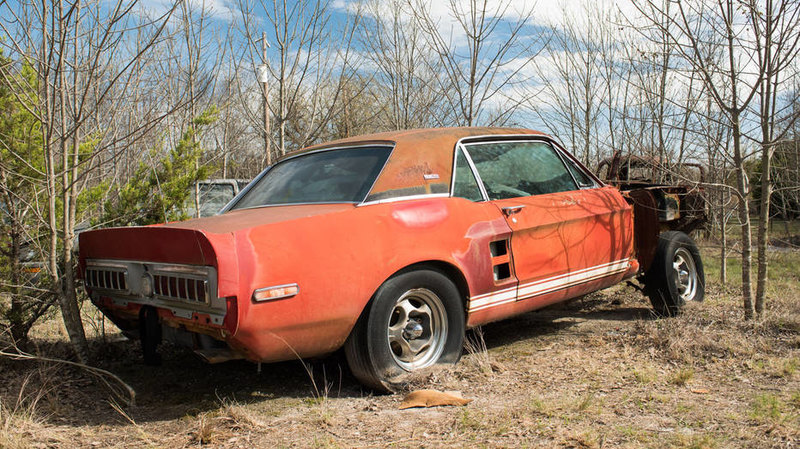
pixel 390 245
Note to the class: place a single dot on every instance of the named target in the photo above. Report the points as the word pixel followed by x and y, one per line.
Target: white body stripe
pixel 544 286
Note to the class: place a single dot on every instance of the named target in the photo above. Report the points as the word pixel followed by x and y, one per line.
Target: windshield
pixel 336 176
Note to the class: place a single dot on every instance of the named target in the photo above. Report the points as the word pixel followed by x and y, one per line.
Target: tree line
pixel 112 110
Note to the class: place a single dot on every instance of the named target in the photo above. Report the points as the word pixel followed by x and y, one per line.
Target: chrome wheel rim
pixel 685 274
pixel 417 329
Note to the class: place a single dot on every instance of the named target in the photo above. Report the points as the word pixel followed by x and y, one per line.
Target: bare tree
pixel 485 52
pixel 404 66
pixel 776 34
pixel 574 83
pixel 82 72
pixel 310 52
pixel 697 30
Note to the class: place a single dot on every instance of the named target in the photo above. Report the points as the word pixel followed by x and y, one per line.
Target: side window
pixel 514 169
pixel 583 179
pixel 465 185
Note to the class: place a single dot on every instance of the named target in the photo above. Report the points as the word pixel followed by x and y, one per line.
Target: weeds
pixel 14 427
pixel 610 381
pixel 789 368
pixel 586 440
pixel 645 375
pixel 325 443
pixel 470 420
pixel 230 419
pixel 479 357
pixel 694 442
pixel 767 408
pixel 538 406
pixel 585 402
pixel 142 434
pixel 205 430
pixel 775 367
pixel 794 401
pixel 682 376
pixel 17 421
pixel 240 415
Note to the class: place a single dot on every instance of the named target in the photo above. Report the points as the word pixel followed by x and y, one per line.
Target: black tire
pixel 676 275
pixel 414 320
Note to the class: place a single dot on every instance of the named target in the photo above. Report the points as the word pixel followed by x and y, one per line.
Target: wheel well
pixel 451 271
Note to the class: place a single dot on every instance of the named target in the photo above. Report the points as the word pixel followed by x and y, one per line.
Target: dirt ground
pixel 596 372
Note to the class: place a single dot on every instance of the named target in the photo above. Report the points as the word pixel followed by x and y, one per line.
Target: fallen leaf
pixel 432 398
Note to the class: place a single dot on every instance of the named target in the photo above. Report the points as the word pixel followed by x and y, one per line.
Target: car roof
pixel 432 136
pixel 422 160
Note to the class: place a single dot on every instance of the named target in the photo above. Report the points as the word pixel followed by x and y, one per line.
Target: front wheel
pixel 415 320
pixel 676 275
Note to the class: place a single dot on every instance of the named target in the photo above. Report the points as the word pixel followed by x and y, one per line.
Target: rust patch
pixel 645 225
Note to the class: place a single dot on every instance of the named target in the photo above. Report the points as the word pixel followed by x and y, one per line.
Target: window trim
pixel 596 183
pixel 473 169
pixel 395 199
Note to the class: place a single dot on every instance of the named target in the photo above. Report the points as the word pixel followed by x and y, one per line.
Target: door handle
pixel 511 210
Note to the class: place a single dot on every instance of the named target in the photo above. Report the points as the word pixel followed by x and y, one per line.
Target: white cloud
pixel 544 12
pixel 557 12
pixel 215 9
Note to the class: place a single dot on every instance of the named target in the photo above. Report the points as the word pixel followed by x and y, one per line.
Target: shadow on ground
pixel 560 318
pixel 183 385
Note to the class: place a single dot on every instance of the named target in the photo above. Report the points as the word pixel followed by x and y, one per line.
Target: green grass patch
pixel 767 408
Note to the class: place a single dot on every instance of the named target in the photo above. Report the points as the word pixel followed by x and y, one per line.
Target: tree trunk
pixel 65 283
pixel 723 226
pixel 744 218
pixel 763 230
pixel 16 314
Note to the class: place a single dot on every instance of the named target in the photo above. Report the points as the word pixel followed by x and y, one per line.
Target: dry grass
pixel 16 426
pixel 599 372
pixel 682 376
pixel 477 353
pixel 22 415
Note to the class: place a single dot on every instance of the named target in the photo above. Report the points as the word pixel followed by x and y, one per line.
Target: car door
pixel 565 226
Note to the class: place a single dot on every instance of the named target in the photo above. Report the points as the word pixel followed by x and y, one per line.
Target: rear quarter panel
pixel 340 259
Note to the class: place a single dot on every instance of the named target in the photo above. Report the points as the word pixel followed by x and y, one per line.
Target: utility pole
pixel 263 78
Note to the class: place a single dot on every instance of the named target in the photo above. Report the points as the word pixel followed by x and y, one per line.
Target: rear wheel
pixel 415 320
pixel 676 275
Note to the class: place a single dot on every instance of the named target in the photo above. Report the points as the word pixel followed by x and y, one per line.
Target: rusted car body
pixel 444 232
pixel 678 195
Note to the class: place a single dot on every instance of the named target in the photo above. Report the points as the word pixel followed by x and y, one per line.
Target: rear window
pixel 214 196
pixel 335 176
